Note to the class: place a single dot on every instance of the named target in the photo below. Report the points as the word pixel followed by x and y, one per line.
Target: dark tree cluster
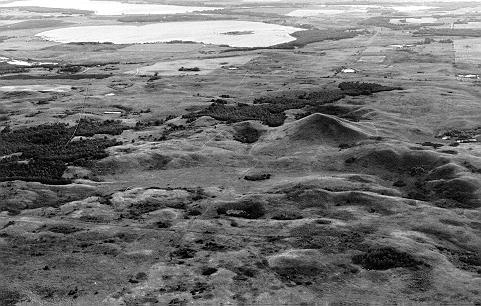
pixel 462 134
pixel 90 127
pixel 140 125
pixel 269 110
pixel 312 98
pixel 465 260
pixel 361 88
pixel 9 297
pixel 247 134
pixel 269 115
pixel 257 177
pixel 9 68
pixel 445 41
pixel 70 69
pixel 46 172
pixel 304 38
pixel 449 32
pixel 42 153
pixel 189 69
pixel 385 22
pixel 386 258
pixel 348 113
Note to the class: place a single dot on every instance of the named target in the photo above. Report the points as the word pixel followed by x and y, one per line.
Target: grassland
pixel 339 169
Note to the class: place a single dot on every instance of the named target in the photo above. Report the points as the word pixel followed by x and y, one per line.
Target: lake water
pixel 43 88
pixel 109 7
pixel 16 62
pixel 257 34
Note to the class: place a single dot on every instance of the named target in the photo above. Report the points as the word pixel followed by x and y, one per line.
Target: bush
pixel 231 114
pixel 9 68
pixel 386 258
pixel 380 21
pixel 247 209
pixel 269 110
pixel 41 153
pixel 9 297
pixel 304 38
pixel 189 69
pixel 90 127
pixel 247 134
pixel 357 88
pixel 70 69
pixel 257 177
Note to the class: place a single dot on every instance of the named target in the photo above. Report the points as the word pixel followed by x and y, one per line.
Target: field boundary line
pixel 81 114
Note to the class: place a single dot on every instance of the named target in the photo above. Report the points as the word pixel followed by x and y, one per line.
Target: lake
pixel 16 62
pixel 232 33
pixel 110 7
pixel 42 88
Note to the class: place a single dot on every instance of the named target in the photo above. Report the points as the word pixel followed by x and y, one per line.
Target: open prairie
pixel 253 153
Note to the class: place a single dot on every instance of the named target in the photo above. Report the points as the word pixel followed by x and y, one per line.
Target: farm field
pixel 205 66
pixel 239 153
pixel 468 51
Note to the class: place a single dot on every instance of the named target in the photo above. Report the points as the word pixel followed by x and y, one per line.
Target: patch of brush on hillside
pixel 9 68
pixel 365 89
pixel 42 153
pixel 304 38
pixel 270 109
